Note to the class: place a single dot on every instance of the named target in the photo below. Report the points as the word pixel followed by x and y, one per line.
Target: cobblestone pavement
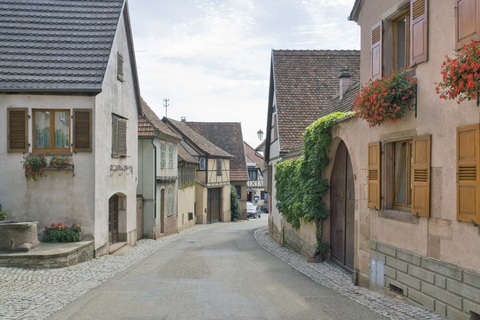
pixel 38 293
pixel 336 279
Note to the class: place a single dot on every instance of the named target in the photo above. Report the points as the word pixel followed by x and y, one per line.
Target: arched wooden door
pixel 342 209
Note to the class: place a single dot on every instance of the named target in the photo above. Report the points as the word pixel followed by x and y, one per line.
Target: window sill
pixel 51 153
pixel 397 215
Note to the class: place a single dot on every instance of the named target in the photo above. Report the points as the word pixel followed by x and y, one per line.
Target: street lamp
pixel 260 134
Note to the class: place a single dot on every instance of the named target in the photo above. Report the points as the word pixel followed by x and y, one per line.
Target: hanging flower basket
pixel 460 75
pixel 384 100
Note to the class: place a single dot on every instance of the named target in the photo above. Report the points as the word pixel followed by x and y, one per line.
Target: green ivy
pixel 299 183
pixel 235 206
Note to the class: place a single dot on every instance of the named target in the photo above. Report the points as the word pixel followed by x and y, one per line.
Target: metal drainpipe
pixel 155 175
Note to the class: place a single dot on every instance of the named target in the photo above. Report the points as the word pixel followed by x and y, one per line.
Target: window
pixel 252 174
pixel 119 67
pixel 170 156
pixel 202 164
pixel 239 191
pixel 407 175
pixel 467 22
pixel 401 53
pixel 400 40
pixel 119 136
pixel 170 201
pixel 219 167
pixel 162 156
pixel 262 195
pixel 50 133
pixel 468 180
pixel 402 163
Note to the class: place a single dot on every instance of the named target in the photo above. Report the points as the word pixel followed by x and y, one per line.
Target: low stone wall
pixel 50 258
pixel 293 241
pixel 438 286
pixel 274 232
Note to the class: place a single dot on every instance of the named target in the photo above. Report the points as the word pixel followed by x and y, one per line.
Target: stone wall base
pixel 51 258
pixel 444 288
pixel 275 232
pixel 293 241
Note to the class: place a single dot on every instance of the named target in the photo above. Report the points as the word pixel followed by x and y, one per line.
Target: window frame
pixel 51 131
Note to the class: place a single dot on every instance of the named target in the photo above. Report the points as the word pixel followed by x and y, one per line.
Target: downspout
pixel 155 175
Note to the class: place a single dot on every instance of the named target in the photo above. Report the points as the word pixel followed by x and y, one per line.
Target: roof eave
pixel 357 7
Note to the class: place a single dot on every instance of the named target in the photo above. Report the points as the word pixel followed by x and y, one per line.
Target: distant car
pixel 265 209
pixel 253 211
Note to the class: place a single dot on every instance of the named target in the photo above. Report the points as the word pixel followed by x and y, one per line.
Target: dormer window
pixel 119 67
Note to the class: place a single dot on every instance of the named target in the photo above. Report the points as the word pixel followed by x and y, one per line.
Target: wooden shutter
pixel 374 175
pixel 421 176
pixel 376 52
pixel 17 130
pixel 467 24
pixel 468 165
pixel 114 136
pixel 418 31
pixel 82 130
pixel 122 138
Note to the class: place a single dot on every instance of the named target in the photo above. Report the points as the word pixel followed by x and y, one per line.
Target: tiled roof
pixel 253 156
pixel 228 136
pixel 184 155
pixel 346 104
pixel 198 140
pixel 305 81
pixel 150 124
pixel 56 45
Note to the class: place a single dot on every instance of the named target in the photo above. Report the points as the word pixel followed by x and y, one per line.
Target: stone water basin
pixel 18 236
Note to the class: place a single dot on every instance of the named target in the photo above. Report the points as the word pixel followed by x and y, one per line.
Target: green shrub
pixel 235 203
pixel 62 233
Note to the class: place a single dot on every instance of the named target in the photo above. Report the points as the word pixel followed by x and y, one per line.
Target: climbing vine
pixel 299 183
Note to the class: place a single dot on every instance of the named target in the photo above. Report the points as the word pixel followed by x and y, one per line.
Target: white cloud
pixel 212 58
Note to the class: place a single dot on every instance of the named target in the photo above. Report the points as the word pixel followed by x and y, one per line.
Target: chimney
pixel 184 119
pixel 344 81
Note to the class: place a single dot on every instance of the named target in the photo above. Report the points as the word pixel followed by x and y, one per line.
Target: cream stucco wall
pixel 186 204
pixel 60 197
pixel 116 98
pixel 441 236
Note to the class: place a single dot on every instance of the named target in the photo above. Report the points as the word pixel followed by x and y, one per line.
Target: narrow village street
pixel 218 271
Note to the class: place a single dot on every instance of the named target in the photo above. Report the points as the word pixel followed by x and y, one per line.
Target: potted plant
pixel 3 214
pixel 60 162
pixel 461 75
pixel 384 100
pixel 35 166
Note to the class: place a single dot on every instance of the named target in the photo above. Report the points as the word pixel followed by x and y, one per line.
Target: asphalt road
pixel 217 273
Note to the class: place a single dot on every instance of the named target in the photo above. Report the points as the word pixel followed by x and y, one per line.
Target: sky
pixel 211 58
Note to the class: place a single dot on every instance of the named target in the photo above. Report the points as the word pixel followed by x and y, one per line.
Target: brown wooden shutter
pixel 468 164
pixel 467 24
pixel 114 136
pixel 374 175
pixel 421 176
pixel 82 130
pixel 122 138
pixel 418 31
pixel 376 52
pixel 17 130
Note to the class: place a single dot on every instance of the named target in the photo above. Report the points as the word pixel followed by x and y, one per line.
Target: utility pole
pixel 166 105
